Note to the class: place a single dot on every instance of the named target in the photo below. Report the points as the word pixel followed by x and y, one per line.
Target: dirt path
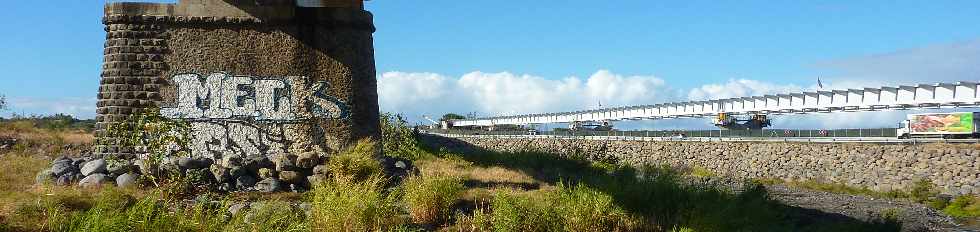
pixel 914 217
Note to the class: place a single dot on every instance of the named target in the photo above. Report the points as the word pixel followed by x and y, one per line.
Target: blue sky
pixel 665 51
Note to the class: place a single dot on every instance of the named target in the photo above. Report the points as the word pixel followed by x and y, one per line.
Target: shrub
pixel 357 162
pixel 429 199
pixel 963 206
pixel 348 205
pixel 922 191
pixel 398 139
pixel 155 136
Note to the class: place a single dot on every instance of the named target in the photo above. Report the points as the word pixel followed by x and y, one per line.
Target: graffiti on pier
pixel 242 115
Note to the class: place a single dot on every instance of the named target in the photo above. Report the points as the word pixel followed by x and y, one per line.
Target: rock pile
pixel 272 173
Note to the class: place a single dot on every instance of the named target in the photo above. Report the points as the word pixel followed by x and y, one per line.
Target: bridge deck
pixel 921 96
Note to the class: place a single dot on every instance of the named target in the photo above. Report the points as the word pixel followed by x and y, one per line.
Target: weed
pixel 702 172
pixel 357 162
pixel 347 205
pixel 398 140
pixel 153 135
pixel 429 199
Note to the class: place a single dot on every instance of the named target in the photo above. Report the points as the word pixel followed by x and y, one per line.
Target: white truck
pixel 955 125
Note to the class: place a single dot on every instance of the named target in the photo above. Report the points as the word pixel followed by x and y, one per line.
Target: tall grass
pixel 347 205
pixel 429 199
pixel 116 211
pixel 357 162
pixel 575 208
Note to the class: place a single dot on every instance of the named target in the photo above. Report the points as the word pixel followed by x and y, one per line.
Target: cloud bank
pixel 505 93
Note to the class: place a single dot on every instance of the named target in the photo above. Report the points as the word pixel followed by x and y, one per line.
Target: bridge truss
pixel 921 96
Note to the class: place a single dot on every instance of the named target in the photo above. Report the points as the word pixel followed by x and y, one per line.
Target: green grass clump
pixel 116 211
pixel 702 172
pixel 357 162
pixel 348 205
pixel 577 208
pixel 430 199
pixel 963 207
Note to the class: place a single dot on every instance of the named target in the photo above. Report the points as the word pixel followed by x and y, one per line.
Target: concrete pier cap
pixel 256 77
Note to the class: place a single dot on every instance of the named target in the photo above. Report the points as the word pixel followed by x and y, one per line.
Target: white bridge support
pixel 922 96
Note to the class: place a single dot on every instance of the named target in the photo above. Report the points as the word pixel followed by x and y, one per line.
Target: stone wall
pixel 881 167
pixel 270 77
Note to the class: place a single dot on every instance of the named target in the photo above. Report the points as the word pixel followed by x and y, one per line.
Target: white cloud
pixel 79 107
pixel 739 88
pixel 504 93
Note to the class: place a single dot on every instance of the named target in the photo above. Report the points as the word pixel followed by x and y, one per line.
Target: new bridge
pixel 904 97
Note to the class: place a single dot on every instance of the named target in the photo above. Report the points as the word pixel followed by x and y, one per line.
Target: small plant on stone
pixel 153 138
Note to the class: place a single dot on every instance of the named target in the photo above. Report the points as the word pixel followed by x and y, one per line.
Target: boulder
pixel 194 163
pixel 119 167
pixel 244 182
pixel 308 160
pixel 321 169
pixel 63 167
pixel 285 162
pixel 127 180
pixel 231 160
pixel 316 179
pixel 94 167
pixel 398 168
pixel 254 163
pixel 236 171
pixel 267 173
pixel 64 180
pixel 269 185
pixel 94 180
pixel 291 177
pixel 45 176
pixel 221 175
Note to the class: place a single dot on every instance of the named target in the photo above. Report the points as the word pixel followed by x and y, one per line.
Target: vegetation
pixel 357 163
pixel 57 122
pixel 478 191
pixel 429 199
pixel 451 116
pixel 398 139
pixel 348 205
pixel 155 136
pixel 3 106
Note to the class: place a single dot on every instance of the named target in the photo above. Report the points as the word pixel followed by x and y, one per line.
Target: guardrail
pixel 764 133
pixel 889 140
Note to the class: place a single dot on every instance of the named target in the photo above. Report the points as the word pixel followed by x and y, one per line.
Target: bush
pixel 430 199
pixel 357 162
pixel 347 205
pixel 963 206
pixel 398 139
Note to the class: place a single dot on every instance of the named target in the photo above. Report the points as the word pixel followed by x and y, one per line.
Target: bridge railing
pixel 764 133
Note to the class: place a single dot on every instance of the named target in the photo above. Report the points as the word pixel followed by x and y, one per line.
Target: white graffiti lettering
pixel 241 115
